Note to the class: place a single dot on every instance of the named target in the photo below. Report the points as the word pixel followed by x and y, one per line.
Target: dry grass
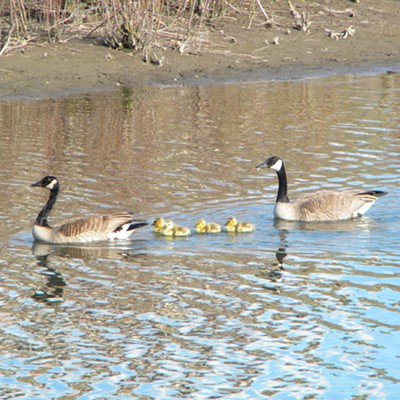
pixel 138 25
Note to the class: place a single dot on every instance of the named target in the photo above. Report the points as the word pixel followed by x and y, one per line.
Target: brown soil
pixel 234 53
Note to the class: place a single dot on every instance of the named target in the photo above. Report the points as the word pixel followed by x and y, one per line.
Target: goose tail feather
pixel 125 230
pixel 375 193
pixel 136 225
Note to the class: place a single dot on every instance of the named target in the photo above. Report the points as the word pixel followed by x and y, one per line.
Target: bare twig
pixel 341 35
pixel 250 22
pixel 21 45
pixel 263 11
pixel 230 54
pixel 347 11
pixel 100 25
pixel 18 19
pixel 232 7
pixel 301 21
pixel 4 48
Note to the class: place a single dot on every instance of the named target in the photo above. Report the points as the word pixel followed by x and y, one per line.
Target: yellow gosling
pixel 158 224
pixel 181 231
pixel 170 229
pixel 232 225
pixel 203 227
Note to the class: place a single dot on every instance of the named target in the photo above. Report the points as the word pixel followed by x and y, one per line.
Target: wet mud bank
pixel 344 38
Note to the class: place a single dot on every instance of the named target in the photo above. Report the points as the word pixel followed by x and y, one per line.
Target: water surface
pixel 208 316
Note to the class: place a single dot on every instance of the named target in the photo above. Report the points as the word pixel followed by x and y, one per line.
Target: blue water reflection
pixel 292 310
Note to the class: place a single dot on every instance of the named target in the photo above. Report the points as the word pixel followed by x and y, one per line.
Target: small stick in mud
pixel 341 35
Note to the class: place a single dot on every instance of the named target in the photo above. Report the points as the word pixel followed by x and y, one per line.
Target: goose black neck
pixel 41 219
pixel 282 189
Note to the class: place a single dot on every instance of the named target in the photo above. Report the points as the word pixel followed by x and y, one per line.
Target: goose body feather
pixel 323 205
pixel 80 229
pixel 326 205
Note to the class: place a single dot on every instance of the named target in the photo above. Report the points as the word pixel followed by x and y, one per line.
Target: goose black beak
pixel 262 165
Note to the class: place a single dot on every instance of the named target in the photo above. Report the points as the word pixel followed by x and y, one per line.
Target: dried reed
pixel 138 25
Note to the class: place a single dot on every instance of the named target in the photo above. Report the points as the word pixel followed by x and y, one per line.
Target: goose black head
pixel 48 182
pixel 273 162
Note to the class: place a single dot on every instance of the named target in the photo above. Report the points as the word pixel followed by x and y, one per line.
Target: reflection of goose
pixel 346 225
pixel 324 205
pixel 110 250
pixel 203 227
pixel 53 291
pixel 280 255
pixel 80 229
pixel 170 229
pixel 232 225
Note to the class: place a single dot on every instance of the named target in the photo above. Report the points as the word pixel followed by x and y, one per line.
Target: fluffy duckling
pixel 158 224
pixel 203 227
pixel 233 226
pixel 170 229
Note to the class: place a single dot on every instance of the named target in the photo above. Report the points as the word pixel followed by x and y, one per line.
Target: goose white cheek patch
pixel 51 184
pixel 277 166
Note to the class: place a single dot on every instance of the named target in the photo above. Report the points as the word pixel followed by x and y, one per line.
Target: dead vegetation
pixel 147 26
pixel 348 32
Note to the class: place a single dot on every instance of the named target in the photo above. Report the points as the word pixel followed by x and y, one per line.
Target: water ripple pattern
pixel 292 310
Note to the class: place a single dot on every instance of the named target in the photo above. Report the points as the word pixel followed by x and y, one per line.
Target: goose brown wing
pixel 332 205
pixel 99 225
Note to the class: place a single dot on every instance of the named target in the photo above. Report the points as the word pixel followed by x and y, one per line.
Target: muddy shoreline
pixel 234 54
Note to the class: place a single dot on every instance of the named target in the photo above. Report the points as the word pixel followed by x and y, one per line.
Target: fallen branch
pixel 25 43
pixel 228 53
pixel 4 48
pixel 232 7
pixel 264 13
pixel 341 35
pixel 347 11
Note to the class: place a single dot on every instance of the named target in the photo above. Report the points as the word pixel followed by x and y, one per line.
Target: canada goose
pixel 80 229
pixel 203 227
pixel 158 224
pixel 170 229
pixel 323 205
pixel 232 225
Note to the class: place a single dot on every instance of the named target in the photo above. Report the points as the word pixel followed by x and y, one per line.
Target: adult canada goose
pixel 170 229
pixel 203 227
pixel 323 205
pixel 232 225
pixel 80 229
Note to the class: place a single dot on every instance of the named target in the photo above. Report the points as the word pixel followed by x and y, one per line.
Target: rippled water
pixel 208 316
